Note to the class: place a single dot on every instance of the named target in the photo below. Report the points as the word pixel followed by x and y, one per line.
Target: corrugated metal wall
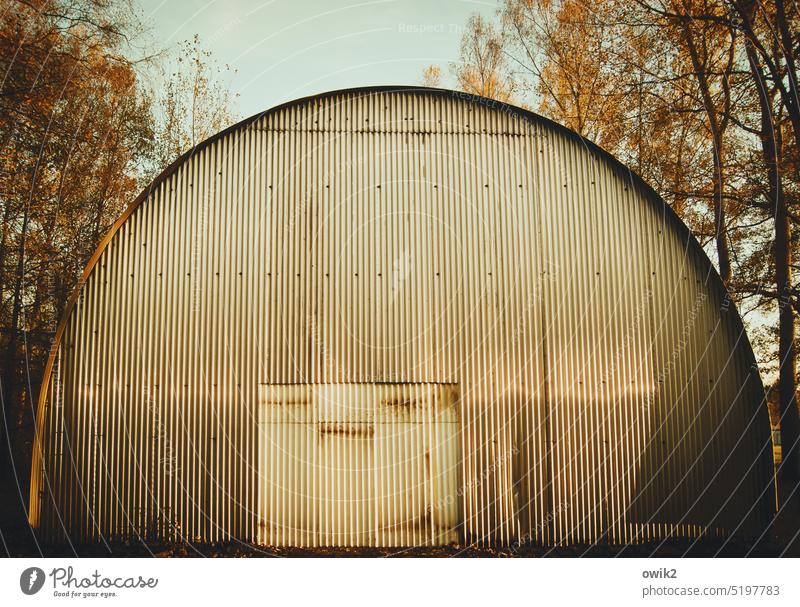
pixel 605 388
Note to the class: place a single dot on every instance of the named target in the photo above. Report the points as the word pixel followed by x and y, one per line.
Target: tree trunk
pixel 790 420
pixel 771 55
pixel 10 381
pixel 717 130
pixel 789 472
pixel 720 221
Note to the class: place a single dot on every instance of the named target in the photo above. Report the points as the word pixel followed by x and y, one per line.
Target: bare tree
pixel 432 76
pixel 481 69
pixel 192 102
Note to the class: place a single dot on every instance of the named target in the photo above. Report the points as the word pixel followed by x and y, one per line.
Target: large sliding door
pixel 359 464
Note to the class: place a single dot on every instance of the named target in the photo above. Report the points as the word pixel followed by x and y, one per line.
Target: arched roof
pixel 665 213
pixel 632 177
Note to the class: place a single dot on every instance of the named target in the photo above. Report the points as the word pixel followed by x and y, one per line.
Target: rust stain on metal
pixel 352 429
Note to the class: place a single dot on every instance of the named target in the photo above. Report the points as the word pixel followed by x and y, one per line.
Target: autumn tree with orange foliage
pixel 73 128
pixel 81 135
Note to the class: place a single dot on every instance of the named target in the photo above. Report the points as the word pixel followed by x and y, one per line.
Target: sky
pixel 286 49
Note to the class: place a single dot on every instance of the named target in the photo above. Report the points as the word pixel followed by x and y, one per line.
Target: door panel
pixel 359 465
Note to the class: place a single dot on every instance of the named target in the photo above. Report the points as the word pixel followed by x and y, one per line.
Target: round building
pixel 393 317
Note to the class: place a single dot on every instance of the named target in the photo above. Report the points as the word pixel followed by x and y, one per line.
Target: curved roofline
pixel 592 147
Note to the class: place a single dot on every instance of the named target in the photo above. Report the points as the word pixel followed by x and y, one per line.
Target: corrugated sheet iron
pixel 228 365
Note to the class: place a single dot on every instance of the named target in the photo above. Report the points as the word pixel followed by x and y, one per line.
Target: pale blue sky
pixel 285 49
